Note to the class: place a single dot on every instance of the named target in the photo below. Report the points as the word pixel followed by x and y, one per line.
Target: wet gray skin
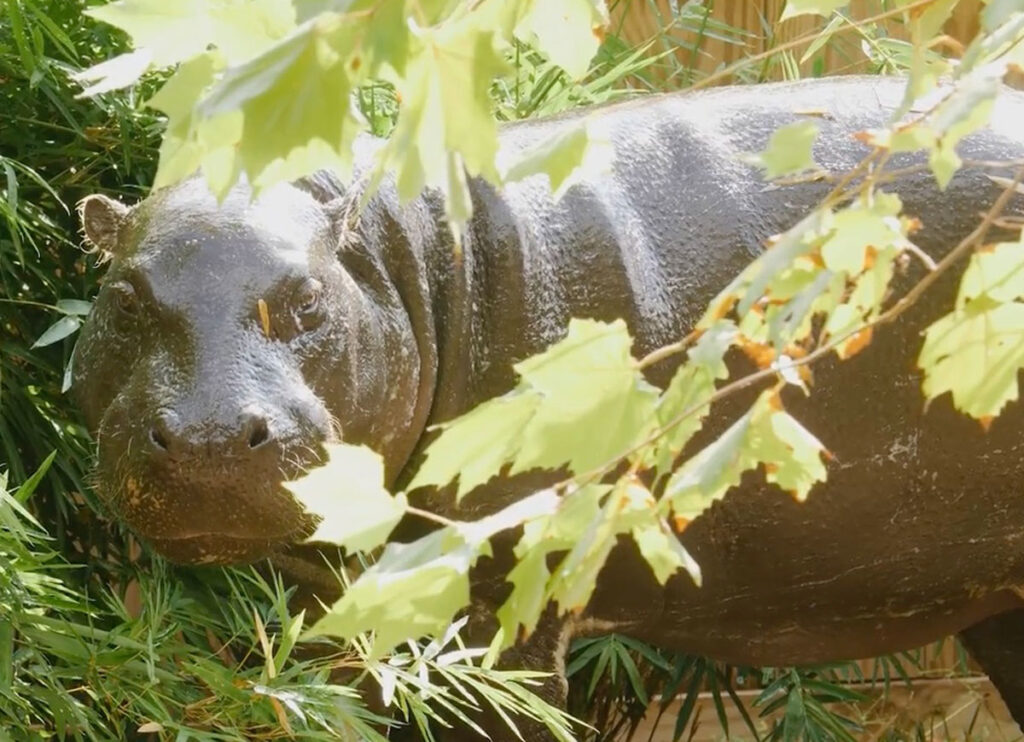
pixel 376 330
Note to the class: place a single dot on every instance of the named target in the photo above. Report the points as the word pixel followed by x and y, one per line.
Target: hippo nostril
pixel 158 438
pixel 161 435
pixel 258 433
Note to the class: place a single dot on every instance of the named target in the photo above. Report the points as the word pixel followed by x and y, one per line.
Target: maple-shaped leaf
pixel 445 126
pixel 663 551
pixel 172 32
pixel 532 583
pixel 765 435
pixel 789 150
pixel 691 389
pixel 996 270
pixel 975 353
pixel 347 496
pixel 583 403
pixel 596 403
pixel 413 590
pixel 568 32
pixel 477 445
pixel 306 72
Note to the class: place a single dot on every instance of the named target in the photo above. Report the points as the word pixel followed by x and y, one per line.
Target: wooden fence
pixel 757 29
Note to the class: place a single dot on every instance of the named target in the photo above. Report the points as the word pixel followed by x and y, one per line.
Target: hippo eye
pixel 307 304
pixel 126 298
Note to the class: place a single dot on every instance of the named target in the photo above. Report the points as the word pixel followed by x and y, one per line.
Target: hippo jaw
pixel 219 358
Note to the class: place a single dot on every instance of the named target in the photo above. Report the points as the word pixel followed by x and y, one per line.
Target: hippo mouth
pixel 216 548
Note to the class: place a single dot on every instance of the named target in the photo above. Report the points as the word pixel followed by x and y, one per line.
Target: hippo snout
pixel 205 485
pixel 251 436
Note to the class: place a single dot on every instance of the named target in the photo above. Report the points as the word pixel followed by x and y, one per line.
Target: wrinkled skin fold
pixel 230 342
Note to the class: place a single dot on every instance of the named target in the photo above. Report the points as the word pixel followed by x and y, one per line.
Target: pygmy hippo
pixel 230 341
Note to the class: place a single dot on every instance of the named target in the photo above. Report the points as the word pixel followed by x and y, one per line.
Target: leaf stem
pixel 427 515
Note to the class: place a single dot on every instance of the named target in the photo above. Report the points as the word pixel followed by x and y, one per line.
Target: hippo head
pixel 228 343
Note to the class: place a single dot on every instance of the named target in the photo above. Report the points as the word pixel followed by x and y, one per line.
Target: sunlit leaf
pixel 348 497
pixel 305 71
pixel 796 8
pixel 173 32
pixel 119 72
pixel 477 445
pixel 766 435
pixel 445 123
pixel 580 152
pixel 580 404
pixel 569 32
pixel 596 402
pixel 59 330
pixel 413 590
pixel 691 388
pixel 976 351
pixel 789 150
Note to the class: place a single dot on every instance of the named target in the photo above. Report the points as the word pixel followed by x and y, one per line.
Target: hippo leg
pixel 997 644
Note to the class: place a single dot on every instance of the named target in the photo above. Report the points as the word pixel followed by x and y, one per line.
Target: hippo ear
pixel 102 220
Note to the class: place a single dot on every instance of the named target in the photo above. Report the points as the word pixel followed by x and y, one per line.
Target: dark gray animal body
pixel 202 401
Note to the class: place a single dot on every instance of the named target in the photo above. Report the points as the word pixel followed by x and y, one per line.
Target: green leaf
pixel 789 150
pixel 171 32
pixel 414 590
pixel 75 306
pixel 118 72
pixel 59 330
pixel 577 153
pixel 766 435
pixel 304 70
pixel 664 552
pixel 691 388
pixel 930 19
pixel 596 403
pixel 975 353
pixel 176 31
pixel 866 225
pixel 997 270
pixel 582 403
pixel 532 583
pixel 445 128
pixel 568 32
pixel 477 445
pixel 348 497
pixel 575 578
pixel 529 597
pixel 796 8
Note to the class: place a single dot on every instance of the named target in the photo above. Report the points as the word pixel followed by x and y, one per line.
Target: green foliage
pixel 241 59
pixel 789 150
pixel 55 150
pixel 975 351
pixel 213 658
pixel 587 384
pixel 804 696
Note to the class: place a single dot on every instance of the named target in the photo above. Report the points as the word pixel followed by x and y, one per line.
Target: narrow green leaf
pixel 59 330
